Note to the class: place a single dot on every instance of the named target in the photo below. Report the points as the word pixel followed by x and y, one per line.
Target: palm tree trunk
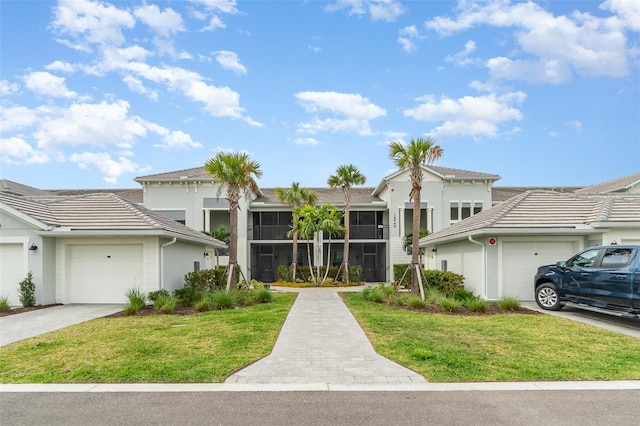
pixel 294 258
pixel 233 243
pixel 415 287
pixel 345 251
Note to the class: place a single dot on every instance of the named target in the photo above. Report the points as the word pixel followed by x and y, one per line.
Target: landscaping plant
pixel 136 301
pixel 4 304
pixel 28 291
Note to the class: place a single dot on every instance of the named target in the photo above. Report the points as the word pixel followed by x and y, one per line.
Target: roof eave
pixel 586 230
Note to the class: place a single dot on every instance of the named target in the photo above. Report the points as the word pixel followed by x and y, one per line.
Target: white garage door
pixel 12 271
pixel 520 261
pixel 103 273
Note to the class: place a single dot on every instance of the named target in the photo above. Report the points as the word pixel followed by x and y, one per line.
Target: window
pixel 586 259
pixel 616 257
pixel 460 210
pixel 177 215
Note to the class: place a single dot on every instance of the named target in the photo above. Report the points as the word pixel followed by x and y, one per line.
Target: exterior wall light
pixel 33 247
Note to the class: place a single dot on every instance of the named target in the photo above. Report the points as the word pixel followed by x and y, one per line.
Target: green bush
pixel 446 281
pixel 4 304
pixel 165 303
pixel 154 295
pixel 509 303
pixel 463 295
pixel 220 300
pixel 28 291
pixel 355 274
pixel 451 305
pixel 136 302
pixel 261 295
pixel 477 305
pixel 186 296
pixel 416 302
pixel 398 272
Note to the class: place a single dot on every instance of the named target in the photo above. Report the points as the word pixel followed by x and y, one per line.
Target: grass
pixel 200 348
pixel 503 347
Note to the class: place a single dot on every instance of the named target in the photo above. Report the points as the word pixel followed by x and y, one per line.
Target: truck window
pixel 616 257
pixel 585 260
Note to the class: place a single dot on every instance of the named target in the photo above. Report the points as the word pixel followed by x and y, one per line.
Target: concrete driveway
pixel 628 326
pixel 21 326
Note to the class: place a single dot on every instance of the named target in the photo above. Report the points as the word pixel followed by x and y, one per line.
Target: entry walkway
pixel 321 342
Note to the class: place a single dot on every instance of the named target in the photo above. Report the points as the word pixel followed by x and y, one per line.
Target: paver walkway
pixel 321 342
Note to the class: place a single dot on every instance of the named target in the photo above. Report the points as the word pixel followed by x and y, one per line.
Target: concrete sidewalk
pixel 322 343
pixel 28 324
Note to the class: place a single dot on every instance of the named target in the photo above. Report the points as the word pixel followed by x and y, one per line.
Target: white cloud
pixel 557 46
pixel 213 9
pixel 357 110
pixel 229 61
pixel 166 22
pixel 628 11
pixel 173 140
pixel 89 22
pixel 88 124
pixel 408 36
pixel 15 150
pixel 112 169
pixel 60 66
pixel 575 124
pixel 469 115
pixel 379 10
pixel 462 58
pixel 135 85
pixel 7 88
pixel 16 118
pixel 307 141
pixel 44 83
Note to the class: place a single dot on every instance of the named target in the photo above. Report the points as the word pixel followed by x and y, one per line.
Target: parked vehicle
pixel 603 278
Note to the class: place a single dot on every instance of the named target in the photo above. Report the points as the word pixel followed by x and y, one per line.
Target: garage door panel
pixel 12 271
pixel 520 261
pixel 104 273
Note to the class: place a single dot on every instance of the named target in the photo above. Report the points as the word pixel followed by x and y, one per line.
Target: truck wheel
pixel 547 297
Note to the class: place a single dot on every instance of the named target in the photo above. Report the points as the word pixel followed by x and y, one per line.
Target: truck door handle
pixel 585 274
pixel 621 277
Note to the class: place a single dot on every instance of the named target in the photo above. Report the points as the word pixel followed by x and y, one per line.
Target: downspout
pixel 484 265
pixel 162 260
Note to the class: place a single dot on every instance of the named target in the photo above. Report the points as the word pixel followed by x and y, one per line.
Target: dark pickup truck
pixel 603 278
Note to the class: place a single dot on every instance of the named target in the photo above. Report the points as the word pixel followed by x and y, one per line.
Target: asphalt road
pixel 583 408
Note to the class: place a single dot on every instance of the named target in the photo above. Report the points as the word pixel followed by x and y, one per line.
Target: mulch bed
pixel 14 311
pixel 148 310
pixel 493 309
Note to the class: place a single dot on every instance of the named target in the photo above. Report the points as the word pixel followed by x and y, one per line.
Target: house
pixel 91 248
pixel 380 216
pixel 498 251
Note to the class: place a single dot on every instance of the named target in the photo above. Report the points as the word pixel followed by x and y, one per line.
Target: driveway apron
pixel 321 342
pixel 28 324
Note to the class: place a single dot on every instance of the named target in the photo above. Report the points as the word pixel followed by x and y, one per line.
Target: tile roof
pixel 503 193
pixel 104 212
pixel 359 195
pixel 617 185
pixel 546 210
pixel 10 187
pixel 134 195
pixel 198 173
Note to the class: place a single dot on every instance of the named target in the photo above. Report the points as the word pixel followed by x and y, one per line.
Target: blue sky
pixel 95 93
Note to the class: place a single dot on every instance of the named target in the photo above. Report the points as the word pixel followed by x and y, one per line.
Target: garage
pixel 13 271
pixel 520 261
pixel 103 273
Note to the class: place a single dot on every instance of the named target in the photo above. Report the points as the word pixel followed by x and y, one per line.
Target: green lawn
pixel 508 347
pixel 203 348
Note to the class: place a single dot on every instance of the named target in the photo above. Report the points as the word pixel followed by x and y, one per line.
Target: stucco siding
pixel 179 259
pixel 465 259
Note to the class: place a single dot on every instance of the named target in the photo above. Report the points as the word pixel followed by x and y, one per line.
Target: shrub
pixel 509 303
pixel 446 281
pixel 398 272
pixel 28 291
pixel 154 295
pixel 261 295
pixel 136 302
pixel 416 302
pixel 4 304
pixel 186 296
pixel 220 299
pixel 450 305
pixel 165 303
pixel 355 274
pixel 463 295
pixel 477 305
pixel 374 294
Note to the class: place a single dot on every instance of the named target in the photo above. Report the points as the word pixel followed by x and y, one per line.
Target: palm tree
pixel 345 177
pixel 312 221
pixel 295 196
pixel 416 154
pixel 238 173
